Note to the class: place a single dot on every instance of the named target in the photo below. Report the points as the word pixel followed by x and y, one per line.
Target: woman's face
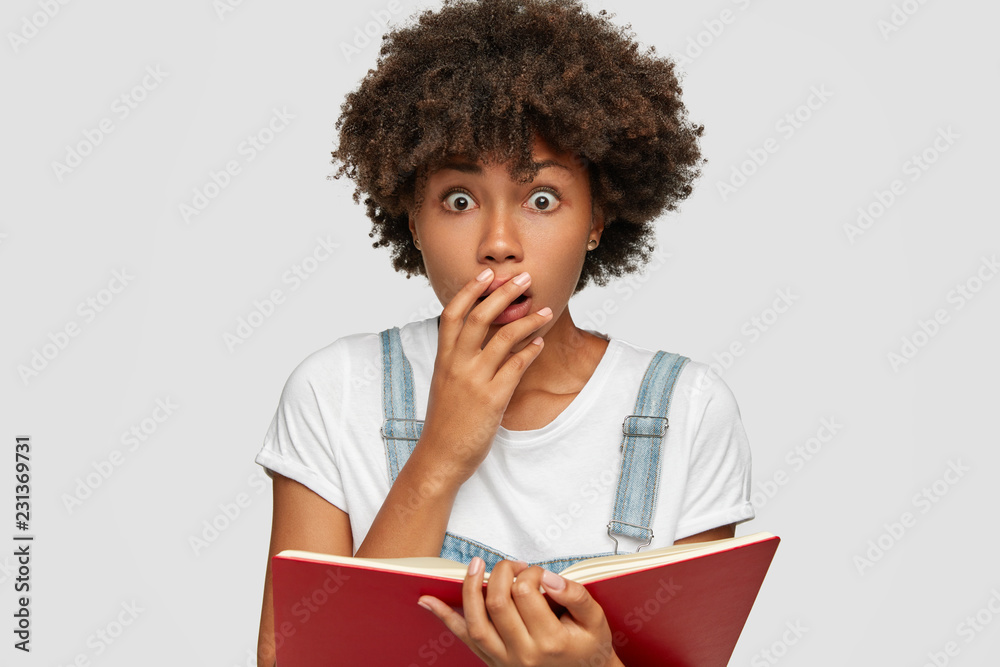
pixel 474 216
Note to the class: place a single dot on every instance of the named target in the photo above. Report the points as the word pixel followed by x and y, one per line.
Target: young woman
pixel 510 151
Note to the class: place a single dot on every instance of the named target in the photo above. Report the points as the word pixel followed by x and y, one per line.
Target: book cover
pixel 681 606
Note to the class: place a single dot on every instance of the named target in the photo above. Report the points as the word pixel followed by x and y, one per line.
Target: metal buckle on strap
pixel 626 523
pixel 664 423
pixel 398 437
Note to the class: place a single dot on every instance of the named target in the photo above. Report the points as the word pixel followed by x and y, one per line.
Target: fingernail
pixel 475 565
pixel 522 279
pixel 553 580
pixel 545 312
pixel 484 275
pixel 425 606
pixel 521 562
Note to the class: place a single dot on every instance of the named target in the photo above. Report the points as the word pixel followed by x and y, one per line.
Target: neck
pixel 567 360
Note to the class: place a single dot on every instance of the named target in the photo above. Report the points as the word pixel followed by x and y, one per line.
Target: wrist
pixel 433 476
pixel 438 468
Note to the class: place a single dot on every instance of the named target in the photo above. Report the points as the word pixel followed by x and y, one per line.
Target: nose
pixel 500 241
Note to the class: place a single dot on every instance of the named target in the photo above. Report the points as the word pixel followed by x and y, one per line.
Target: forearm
pixel 414 516
pixel 265 639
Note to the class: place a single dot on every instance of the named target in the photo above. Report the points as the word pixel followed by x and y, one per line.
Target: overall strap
pixel 400 430
pixel 642 436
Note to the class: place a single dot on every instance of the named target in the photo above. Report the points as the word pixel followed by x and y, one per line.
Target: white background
pixel 63 235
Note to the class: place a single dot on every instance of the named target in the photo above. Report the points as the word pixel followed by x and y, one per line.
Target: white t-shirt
pixel 539 494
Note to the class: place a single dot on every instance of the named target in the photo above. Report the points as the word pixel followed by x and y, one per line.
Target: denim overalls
pixel 642 435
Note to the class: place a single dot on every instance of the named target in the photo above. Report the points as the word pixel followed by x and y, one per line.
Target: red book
pixel 679 606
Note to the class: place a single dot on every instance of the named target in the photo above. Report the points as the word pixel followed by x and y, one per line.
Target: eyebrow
pixel 464 167
pixel 551 163
pixel 476 168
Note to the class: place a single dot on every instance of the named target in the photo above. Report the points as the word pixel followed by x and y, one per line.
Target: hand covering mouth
pixel 520 299
pixel 497 284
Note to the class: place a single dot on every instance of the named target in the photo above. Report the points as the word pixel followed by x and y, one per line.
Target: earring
pixel 416 243
pixel 591 244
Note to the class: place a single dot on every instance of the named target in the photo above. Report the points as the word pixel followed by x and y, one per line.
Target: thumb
pixel 575 598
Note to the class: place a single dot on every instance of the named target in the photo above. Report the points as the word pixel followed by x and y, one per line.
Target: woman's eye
pixel 459 201
pixel 543 200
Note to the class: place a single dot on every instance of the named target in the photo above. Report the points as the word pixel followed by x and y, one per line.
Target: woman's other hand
pixel 513 625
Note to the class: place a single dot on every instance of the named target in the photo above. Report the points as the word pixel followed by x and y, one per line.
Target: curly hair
pixel 480 78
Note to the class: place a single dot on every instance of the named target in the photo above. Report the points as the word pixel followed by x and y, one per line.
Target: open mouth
pixel 521 299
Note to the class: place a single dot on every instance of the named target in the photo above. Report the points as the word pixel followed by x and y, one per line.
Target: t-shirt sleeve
pixel 297 443
pixel 717 492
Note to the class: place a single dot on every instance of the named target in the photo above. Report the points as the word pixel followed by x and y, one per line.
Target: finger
pixel 451 619
pixel 498 350
pixel 454 313
pixel 518 566
pixel 480 318
pixel 503 612
pixel 577 600
pixel 513 369
pixel 542 624
pixel 479 628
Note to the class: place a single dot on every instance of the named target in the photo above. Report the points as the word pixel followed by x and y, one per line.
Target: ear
pixel 411 224
pixel 597 222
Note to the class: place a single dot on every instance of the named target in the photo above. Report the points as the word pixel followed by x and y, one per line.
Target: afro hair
pixel 481 78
